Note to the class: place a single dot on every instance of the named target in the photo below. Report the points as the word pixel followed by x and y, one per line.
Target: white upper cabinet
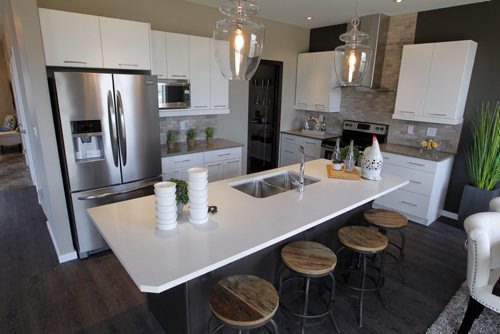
pixel 434 81
pixel 177 55
pixel 158 54
pixel 219 86
pixel 125 44
pixel 70 39
pixel 317 86
pixel 199 69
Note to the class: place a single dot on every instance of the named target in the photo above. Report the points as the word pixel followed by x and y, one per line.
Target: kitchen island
pixel 172 265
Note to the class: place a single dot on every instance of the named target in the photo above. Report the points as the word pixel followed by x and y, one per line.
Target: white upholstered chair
pixel 495 204
pixel 483 264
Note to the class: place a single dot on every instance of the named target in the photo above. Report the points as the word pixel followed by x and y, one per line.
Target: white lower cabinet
pixel 177 166
pixel 290 149
pixel 423 198
pixel 221 164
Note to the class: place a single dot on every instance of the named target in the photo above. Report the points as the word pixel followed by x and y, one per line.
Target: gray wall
pixel 22 32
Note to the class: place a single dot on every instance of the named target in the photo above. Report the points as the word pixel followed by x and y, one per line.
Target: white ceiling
pixel 330 12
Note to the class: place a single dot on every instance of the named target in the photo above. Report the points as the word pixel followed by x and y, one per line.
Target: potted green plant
pixel 191 135
pixel 181 192
pixel 171 134
pixel 209 132
pixel 482 161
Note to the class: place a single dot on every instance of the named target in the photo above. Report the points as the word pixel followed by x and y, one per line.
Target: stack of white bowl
pixel 198 195
pixel 166 206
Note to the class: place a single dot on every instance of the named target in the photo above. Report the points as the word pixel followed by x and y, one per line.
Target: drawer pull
pixel 310 143
pixel 233 162
pixel 223 154
pixel 75 62
pixel 178 76
pixel 181 161
pixel 289 139
pixel 220 106
pixel 406 112
pixel 437 114
pixel 417 182
pixel 405 202
pixel 200 106
pixel 129 65
pixel 290 152
pixel 212 165
pixel 416 164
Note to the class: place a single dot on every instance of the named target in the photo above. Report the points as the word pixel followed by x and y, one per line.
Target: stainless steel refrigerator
pixel 109 142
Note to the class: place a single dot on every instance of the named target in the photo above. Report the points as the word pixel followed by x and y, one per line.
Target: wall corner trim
pixel 61 257
pixel 448 214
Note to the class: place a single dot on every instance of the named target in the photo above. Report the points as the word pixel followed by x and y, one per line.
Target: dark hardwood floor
pixel 39 295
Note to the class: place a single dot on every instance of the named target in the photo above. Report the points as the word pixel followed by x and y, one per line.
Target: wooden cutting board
pixel 340 174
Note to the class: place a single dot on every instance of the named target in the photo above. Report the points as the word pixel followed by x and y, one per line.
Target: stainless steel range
pixel 360 132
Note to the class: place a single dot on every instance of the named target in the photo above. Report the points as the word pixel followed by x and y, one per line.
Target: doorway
pixel 264 116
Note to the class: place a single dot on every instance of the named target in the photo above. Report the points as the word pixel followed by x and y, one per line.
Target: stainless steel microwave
pixel 174 94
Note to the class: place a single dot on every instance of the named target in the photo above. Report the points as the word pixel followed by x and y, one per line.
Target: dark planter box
pixel 474 200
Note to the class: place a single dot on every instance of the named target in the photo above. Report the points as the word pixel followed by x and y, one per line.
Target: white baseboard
pixel 448 214
pixel 61 257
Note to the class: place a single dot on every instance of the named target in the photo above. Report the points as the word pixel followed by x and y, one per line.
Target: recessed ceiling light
pixel 309 18
pixel 397 1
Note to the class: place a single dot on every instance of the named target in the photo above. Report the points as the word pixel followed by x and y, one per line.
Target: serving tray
pixel 340 174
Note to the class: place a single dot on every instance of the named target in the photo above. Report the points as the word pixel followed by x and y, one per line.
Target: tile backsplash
pixel 200 123
pixel 378 107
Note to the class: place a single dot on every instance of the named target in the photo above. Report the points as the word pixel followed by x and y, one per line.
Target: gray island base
pixel 178 269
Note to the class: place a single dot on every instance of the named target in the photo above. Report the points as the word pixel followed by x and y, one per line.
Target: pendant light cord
pixel 356 5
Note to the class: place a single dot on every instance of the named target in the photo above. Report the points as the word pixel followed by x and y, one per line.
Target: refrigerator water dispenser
pixel 87 140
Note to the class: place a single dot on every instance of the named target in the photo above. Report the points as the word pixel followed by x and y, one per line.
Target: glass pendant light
pixel 353 58
pixel 238 41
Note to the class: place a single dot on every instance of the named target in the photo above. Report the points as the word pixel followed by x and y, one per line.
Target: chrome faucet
pixel 301 170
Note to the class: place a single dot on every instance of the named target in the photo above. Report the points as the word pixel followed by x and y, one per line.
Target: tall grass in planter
pixel 483 162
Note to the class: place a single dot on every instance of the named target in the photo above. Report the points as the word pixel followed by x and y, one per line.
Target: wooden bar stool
pixel 363 241
pixel 387 220
pixel 306 260
pixel 244 302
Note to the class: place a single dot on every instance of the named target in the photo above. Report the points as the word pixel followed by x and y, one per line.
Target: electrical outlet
pixel 410 129
pixel 431 132
pixel 183 125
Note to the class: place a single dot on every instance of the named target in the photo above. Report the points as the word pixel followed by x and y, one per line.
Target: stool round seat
pixel 309 258
pixel 362 239
pixel 243 301
pixel 385 218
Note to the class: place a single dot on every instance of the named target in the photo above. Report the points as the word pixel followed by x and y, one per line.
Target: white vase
pixel 371 162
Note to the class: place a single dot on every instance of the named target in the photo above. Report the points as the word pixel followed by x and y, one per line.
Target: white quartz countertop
pixel 159 260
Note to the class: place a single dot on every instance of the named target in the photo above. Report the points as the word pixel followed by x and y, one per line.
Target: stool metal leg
pixel 306 305
pixel 332 300
pixel 402 256
pixel 381 278
pixel 361 295
pixel 275 327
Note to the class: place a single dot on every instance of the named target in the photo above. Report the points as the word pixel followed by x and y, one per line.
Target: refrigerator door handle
pixel 104 195
pixel 112 125
pixel 123 136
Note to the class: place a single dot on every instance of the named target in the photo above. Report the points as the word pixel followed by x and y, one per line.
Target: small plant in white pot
pixel 483 162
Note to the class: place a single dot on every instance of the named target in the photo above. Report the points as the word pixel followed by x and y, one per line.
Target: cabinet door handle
pixel 386 158
pixel 417 182
pixel 289 152
pixel 220 106
pixel 200 106
pixel 212 165
pixel 406 112
pixel 289 139
pixel 75 62
pixel 181 161
pixel 131 65
pixel 233 162
pixel 437 114
pixel 405 202
pixel 178 76
pixel 223 154
pixel 416 164
pixel 310 143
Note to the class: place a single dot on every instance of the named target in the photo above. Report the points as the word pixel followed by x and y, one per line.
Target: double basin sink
pixel 273 185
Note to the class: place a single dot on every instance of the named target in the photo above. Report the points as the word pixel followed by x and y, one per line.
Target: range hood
pixel 376 26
